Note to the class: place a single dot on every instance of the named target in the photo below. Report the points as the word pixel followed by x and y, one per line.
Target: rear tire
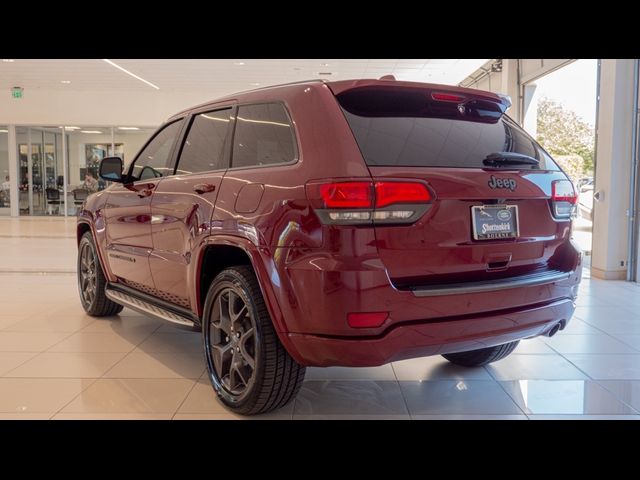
pixel 482 356
pixel 248 367
pixel 92 282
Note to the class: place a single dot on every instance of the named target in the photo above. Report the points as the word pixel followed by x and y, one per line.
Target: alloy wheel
pixel 232 342
pixel 88 274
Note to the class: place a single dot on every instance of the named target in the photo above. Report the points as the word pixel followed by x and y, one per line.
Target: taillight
pixel 347 195
pixel 563 198
pixel 366 202
pixel 388 193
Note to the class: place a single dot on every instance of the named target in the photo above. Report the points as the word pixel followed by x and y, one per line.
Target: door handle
pixel 201 188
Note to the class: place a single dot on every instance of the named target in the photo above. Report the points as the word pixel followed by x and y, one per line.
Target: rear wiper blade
pixel 510 158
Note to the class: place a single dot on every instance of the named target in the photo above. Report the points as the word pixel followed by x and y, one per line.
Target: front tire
pixel 482 356
pixel 92 282
pixel 248 367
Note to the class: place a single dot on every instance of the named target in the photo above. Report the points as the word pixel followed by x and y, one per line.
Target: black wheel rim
pixel 231 344
pixel 87 272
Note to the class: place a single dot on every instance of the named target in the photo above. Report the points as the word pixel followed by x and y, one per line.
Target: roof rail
pixel 313 80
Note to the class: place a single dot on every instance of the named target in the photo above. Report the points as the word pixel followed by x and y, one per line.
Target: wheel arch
pixel 222 251
pixel 85 225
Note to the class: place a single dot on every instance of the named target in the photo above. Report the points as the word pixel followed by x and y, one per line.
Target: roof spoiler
pixel 506 98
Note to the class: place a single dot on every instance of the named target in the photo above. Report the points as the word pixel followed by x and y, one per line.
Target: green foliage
pixel 563 133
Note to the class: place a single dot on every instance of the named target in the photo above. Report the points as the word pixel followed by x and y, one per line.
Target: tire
pixel 237 332
pixel 92 282
pixel 483 356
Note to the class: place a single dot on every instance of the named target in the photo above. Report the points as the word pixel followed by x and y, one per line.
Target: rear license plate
pixel 492 222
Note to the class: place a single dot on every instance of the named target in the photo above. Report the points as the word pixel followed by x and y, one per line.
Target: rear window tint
pixel 433 135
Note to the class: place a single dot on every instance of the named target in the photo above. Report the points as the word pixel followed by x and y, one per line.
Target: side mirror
pixel 111 169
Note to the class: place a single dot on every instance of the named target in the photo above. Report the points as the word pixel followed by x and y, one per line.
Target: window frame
pixel 296 146
pixel 172 152
pixel 226 150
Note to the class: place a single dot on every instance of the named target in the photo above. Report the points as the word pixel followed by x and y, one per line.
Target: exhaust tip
pixel 554 330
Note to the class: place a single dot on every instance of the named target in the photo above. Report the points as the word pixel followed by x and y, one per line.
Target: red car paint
pixel 152 235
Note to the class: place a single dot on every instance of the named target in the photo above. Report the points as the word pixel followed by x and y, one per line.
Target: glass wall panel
pixel 42 178
pixel 5 200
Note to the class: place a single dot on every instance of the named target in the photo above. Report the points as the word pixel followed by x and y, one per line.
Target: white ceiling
pixel 218 77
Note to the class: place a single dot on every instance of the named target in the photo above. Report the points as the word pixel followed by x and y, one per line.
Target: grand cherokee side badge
pixel 502 183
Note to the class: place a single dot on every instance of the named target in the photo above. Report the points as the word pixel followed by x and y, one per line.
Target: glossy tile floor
pixel 56 362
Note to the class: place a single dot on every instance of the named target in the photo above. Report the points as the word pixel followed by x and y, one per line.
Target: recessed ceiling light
pixel 238 63
pixel 4 131
pixel 128 128
pixel 132 74
pixel 8 60
pixel 66 82
pixel 90 131
pixel 72 128
pixel 324 64
pixel 255 84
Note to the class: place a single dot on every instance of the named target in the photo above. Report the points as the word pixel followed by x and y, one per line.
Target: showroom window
pixel 58 166
pixel 5 200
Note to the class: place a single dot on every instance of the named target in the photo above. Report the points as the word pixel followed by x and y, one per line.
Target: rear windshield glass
pixel 393 130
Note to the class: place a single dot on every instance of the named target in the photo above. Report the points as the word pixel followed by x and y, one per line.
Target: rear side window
pixel 203 148
pixel 263 136
pixel 397 129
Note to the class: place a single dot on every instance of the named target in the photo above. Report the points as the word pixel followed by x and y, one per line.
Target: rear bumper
pixel 433 337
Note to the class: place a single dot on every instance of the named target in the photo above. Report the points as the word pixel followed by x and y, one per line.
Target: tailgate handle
pixel 497 265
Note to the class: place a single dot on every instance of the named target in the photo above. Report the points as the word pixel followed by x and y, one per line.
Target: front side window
pixel 203 149
pixel 153 161
pixel 264 136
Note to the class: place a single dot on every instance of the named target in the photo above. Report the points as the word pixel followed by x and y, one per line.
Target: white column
pixel 14 172
pixel 509 86
pixel 613 164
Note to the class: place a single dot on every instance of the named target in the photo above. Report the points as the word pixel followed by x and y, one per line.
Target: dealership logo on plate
pixel 504 215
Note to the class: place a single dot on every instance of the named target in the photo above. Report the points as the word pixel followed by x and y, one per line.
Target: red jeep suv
pixel 349 223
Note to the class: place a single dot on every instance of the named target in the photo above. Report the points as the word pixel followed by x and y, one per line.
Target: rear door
pixel 488 218
pixel 128 210
pixel 183 205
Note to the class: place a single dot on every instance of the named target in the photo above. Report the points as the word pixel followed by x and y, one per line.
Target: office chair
pixel 53 198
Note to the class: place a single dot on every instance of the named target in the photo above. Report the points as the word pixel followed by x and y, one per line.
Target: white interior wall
pixel 55 108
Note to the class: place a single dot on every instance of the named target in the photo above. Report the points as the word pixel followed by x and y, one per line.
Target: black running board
pixel 530 280
pixel 148 305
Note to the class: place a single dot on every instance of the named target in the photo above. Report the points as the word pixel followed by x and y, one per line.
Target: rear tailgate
pixel 442 136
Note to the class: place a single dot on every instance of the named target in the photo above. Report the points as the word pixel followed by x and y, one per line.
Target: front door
pixel 128 211
pixel 182 206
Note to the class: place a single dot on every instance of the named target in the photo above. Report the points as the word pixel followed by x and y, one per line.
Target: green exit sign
pixel 16 92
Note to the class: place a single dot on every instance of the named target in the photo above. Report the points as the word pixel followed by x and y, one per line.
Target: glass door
pixel 40 169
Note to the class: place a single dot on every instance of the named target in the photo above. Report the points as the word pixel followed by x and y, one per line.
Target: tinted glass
pixel 264 136
pixel 204 146
pixel 153 161
pixel 407 130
